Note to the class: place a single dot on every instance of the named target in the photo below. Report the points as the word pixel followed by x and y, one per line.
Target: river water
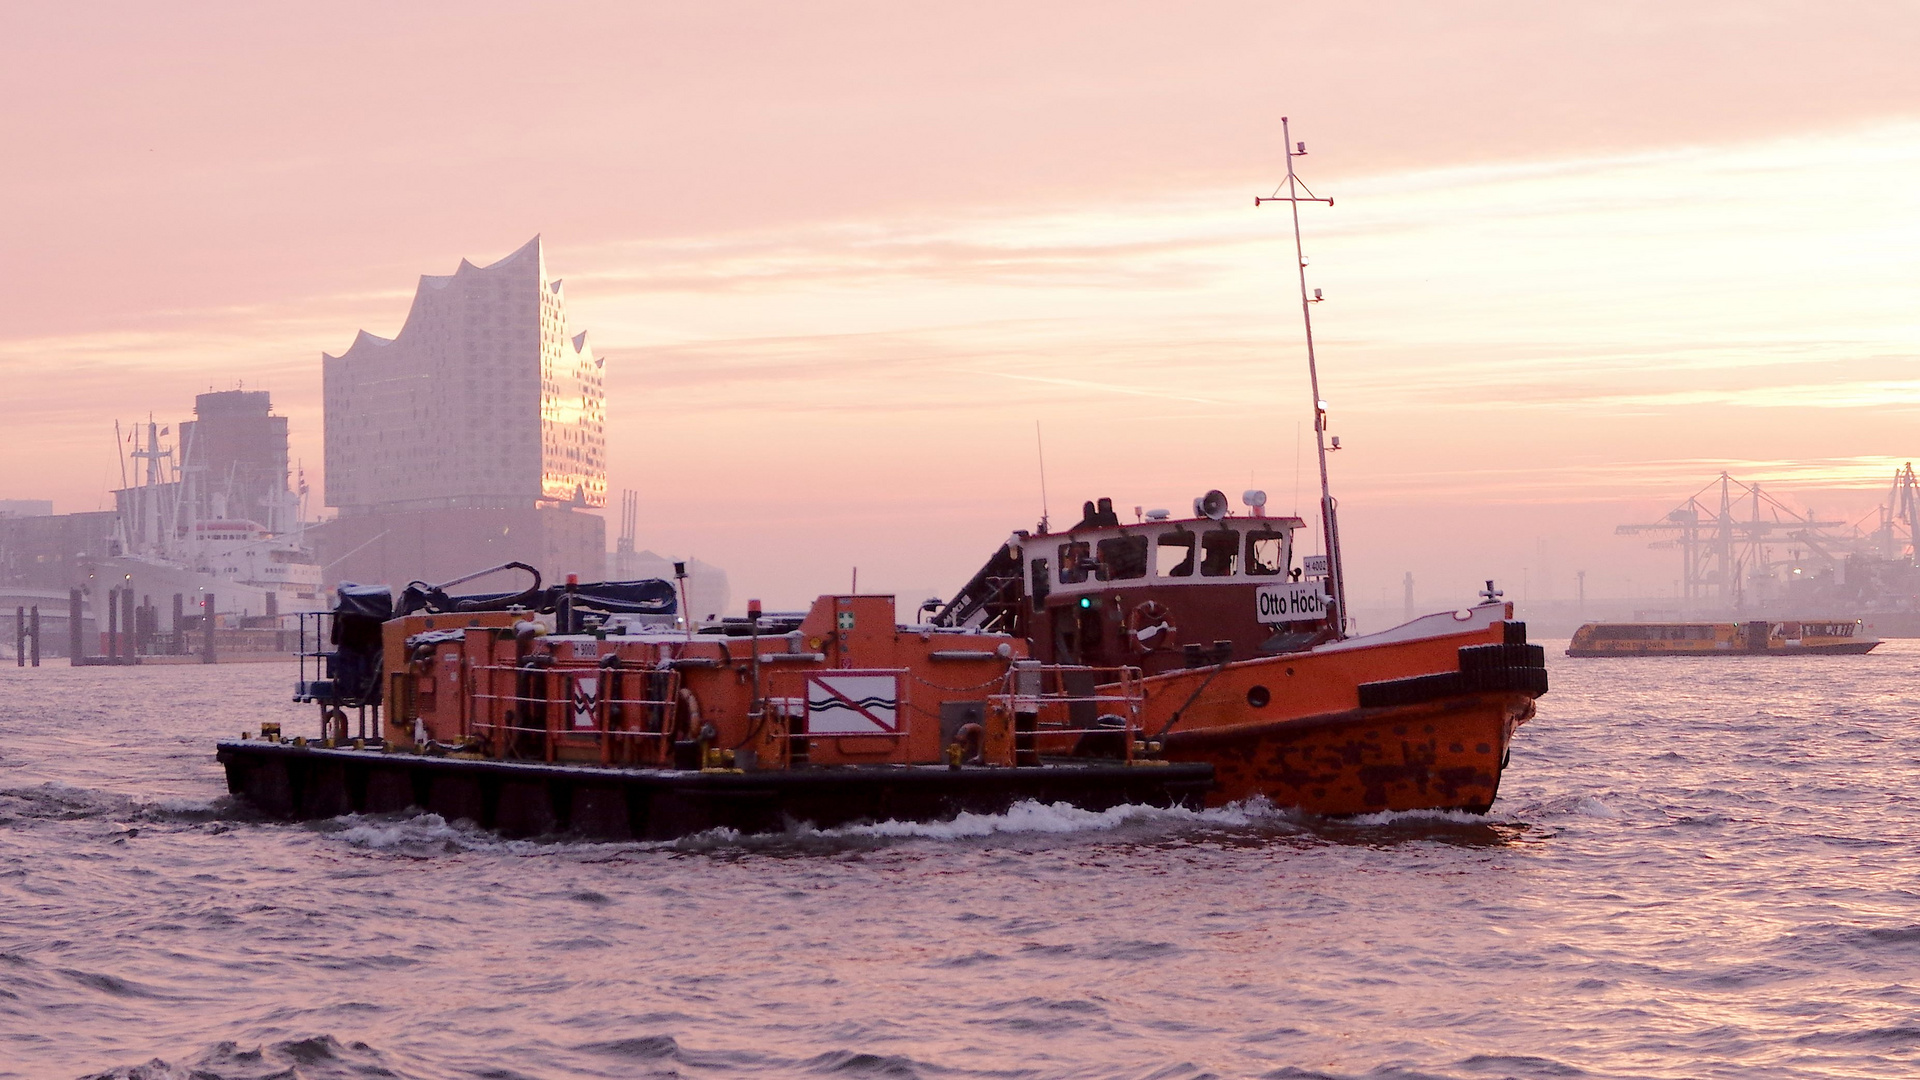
pixel 1696 868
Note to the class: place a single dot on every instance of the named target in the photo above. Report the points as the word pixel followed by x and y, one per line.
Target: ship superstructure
pixel 211 513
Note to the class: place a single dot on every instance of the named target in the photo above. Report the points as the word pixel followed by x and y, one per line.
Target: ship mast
pixel 1329 519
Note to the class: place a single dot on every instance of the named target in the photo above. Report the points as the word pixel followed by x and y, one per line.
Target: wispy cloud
pixel 1602 328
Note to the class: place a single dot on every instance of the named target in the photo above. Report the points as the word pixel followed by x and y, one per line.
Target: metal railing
pixel 1062 708
pixel 315 680
pixel 554 696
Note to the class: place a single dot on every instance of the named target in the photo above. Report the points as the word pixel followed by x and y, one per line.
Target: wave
pixel 320 1057
pixel 422 834
pixel 1251 821
pixel 418 834
pixel 1026 820
pixel 57 801
pixel 1059 818
pixel 1589 806
pixel 1416 817
pixel 426 834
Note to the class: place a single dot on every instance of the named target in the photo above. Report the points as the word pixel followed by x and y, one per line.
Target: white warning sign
pixel 853 703
pixel 586 694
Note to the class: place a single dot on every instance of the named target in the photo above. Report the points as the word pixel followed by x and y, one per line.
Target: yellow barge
pixel 1759 637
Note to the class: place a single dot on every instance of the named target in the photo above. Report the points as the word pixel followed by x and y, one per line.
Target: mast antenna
pixel 120 447
pixel 1040 445
pixel 1329 519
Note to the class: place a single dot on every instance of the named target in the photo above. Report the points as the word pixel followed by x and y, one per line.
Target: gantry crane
pixel 1715 546
pixel 1900 515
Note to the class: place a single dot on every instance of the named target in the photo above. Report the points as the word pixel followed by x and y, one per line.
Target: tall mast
pixel 122 498
pixel 1329 517
pixel 148 493
pixel 151 496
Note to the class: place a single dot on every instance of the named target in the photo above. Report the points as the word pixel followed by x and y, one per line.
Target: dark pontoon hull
pixel 532 799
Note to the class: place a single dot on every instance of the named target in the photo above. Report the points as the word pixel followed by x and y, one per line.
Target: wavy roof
pixel 530 256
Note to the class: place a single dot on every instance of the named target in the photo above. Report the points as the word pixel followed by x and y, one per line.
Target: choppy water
pixel 1696 868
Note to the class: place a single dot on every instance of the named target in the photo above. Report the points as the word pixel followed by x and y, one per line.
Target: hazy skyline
pixel 840 259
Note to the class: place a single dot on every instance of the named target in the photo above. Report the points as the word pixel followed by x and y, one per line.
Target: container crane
pixel 1715 545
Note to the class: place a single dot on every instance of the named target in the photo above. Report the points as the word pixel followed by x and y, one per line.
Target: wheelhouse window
pixel 1173 554
pixel 1220 552
pixel 1076 559
pixel 1266 553
pixel 1123 558
pixel 1042 583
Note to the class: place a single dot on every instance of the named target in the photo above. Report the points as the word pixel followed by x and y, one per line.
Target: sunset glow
pixel 841 268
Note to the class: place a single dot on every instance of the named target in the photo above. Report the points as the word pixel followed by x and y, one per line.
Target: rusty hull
pixel 1290 729
pixel 1438 755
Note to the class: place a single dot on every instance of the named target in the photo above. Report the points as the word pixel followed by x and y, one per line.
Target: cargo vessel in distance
pixel 1759 637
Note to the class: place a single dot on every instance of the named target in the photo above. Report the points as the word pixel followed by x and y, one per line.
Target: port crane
pixel 1900 514
pixel 1715 545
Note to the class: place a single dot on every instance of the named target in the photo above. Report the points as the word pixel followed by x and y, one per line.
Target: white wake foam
pixel 1414 817
pixel 417 833
pixel 428 833
pixel 1056 819
pixel 1028 818
pixel 1588 806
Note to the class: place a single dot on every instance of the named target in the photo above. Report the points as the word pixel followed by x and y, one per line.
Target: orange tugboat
pixel 1247 663
pixel 1175 662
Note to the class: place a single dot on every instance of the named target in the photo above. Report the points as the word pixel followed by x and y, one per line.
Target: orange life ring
pixel 971 740
pixel 686 716
pixel 1150 627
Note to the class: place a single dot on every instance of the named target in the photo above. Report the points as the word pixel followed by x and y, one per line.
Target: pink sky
pixel 841 257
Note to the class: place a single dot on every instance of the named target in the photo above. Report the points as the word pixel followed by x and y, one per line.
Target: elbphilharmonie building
pixel 473 436
pixel 483 399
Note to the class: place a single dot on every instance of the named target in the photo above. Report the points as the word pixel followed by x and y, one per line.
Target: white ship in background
pixel 213 514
